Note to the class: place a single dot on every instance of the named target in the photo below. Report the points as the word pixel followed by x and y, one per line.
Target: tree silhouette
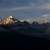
pixel 25 22
pixel 35 22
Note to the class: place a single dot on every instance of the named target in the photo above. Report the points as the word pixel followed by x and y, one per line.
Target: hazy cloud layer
pixel 24 8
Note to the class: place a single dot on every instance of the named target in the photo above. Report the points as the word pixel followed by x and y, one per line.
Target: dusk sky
pixel 25 8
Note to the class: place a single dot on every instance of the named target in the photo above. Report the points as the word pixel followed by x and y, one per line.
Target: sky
pixel 25 9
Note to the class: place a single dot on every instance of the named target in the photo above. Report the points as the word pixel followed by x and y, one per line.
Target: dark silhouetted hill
pixel 24 35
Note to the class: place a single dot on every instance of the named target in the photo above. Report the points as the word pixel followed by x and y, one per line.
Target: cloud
pixel 20 3
pixel 32 6
pixel 24 7
pixel 47 16
pixel 44 6
pixel 48 5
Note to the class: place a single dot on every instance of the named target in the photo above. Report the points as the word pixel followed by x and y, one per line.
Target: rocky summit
pixel 8 20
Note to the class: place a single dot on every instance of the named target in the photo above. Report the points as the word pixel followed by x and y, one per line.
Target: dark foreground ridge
pixel 24 36
pixel 18 40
